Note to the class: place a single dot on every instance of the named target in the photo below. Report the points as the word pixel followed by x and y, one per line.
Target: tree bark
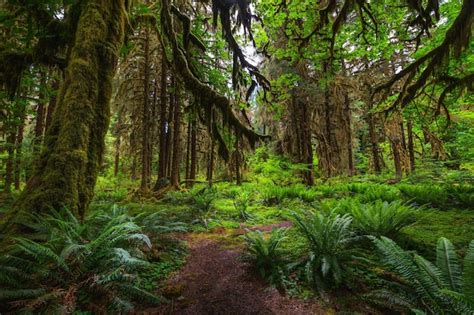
pixel 411 148
pixel 66 172
pixel 192 172
pixel 10 160
pixel 176 138
pixel 374 144
pixel 350 155
pixel 51 105
pixel 40 111
pixel 145 114
pixel 163 122
pixel 19 151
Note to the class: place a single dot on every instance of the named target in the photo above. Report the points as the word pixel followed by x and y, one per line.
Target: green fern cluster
pixel 432 195
pixel 274 194
pixel 67 265
pixel 202 203
pixel 329 237
pixel 266 254
pixel 424 287
pixel 382 218
pixel 241 203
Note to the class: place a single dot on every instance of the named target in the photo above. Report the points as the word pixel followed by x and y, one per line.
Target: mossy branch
pixel 201 91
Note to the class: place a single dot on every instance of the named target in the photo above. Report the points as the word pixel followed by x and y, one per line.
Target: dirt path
pixel 216 281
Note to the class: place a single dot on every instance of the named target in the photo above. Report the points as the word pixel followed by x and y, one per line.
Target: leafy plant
pixel 461 195
pixel 441 288
pixel 92 265
pixel 379 192
pixel 382 217
pixel 202 203
pixel 241 203
pixel 425 194
pixel 328 237
pixel 266 254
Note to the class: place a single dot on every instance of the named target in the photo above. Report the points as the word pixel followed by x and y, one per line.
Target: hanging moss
pixel 66 172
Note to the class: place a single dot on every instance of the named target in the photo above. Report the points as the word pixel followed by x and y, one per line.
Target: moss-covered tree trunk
pixel 67 169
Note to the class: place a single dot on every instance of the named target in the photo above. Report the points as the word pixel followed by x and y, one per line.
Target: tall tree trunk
pixel 397 157
pixel 350 155
pixel 51 105
pixel 117 156
pixel 374 144
pixel 170 128
pixel 10 160
pixel 402 134
pixel 411 148
pixel 210 161
pixel 188 153
pixel 176 137
pixel 40 111
pixel 145 113
pixel 67 170
pixel 238 178
pixel 192 172
pixel 19 151
pixel 163 104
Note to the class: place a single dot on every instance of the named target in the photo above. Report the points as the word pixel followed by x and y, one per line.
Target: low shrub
pixel 266 254
pixel 92 265
pixel 328 237
pixel 445 287
pixel 382 218
pixel 433 195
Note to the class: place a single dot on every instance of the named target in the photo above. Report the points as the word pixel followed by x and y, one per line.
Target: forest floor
pixel 216 280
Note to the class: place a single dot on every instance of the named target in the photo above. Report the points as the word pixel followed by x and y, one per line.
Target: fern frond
pixel 448 262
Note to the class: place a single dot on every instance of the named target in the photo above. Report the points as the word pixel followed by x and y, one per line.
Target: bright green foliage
pixel 382 218
pixel 462 195
pixel 380 192
pixel 266 255
pixel 425 287
pixel 202 203
pixel 425 194
pixel 328 237
pixel 241 203
pixel 77 265
pixel 269 168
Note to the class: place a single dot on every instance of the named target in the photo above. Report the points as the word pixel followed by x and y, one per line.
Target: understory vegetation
pixel 165 156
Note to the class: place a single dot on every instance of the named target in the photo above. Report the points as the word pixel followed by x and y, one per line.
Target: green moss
pixel 455 225
pixel 66 172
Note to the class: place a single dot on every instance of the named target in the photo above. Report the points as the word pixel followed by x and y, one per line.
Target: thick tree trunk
pixel 331 128
pixel 170 129
pixel 411 148
pixel 402 135
pixel 66 172
pixel 238 178
pixel 374 144
pixel 117 156
pixel 40 111
pixel 176 138
pixel 192 172
pixel 210 161
pixel 162 158
pixel 10 160
pixel 19 152
pixel 350 155
pixel 188 153
pixel 397 157
pixel 145 114
pixel 51 105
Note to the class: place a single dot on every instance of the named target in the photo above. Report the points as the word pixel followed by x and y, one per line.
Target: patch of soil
pixel 216 281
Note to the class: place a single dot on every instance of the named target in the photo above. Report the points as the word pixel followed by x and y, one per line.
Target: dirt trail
pixel 216 281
